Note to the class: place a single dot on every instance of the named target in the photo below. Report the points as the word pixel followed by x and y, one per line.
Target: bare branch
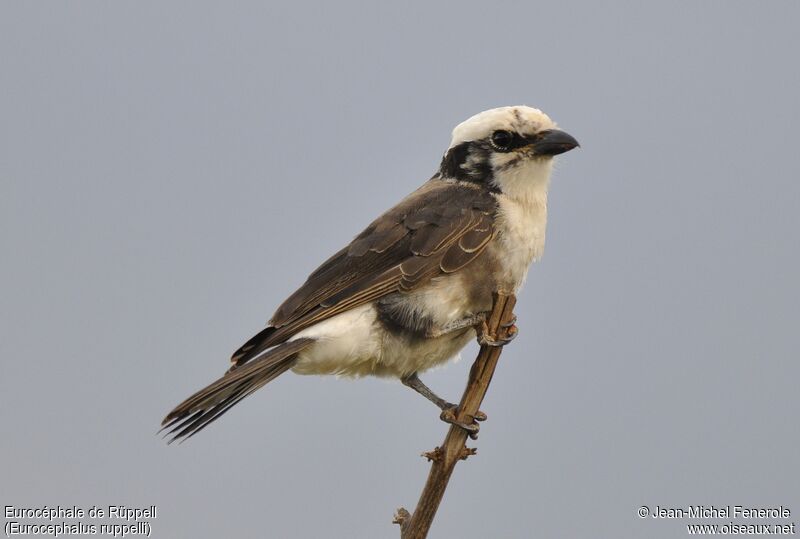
pixel 443 459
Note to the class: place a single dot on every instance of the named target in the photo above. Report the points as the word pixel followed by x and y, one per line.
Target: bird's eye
pixel 502 140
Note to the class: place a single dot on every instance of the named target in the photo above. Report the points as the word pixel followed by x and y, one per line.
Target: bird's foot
pixel 505 334
pixel 450 412
pixel 450 415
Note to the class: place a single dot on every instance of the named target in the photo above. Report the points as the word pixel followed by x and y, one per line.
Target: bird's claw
pixel 509 333
pixel 510 323
pixel 450 415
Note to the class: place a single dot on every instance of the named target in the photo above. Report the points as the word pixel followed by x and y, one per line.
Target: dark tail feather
pixel 195 413
pixel 257 344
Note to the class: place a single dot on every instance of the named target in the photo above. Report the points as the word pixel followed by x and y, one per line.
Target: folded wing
pixel 438 229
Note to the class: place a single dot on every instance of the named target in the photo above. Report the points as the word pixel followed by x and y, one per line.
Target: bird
pixel 415 287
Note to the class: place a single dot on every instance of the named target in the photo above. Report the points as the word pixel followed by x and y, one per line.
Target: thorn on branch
pixel 468 452
pixel 435 455
pixel 402 517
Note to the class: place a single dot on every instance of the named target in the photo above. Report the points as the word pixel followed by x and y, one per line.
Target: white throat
pixel 526 181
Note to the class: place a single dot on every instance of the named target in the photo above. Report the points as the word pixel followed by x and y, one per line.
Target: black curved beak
pixel 554 142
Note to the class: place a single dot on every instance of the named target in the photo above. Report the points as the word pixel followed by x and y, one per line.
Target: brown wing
pixel 438 229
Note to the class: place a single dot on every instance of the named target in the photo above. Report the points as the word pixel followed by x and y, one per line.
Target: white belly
pixel 355 343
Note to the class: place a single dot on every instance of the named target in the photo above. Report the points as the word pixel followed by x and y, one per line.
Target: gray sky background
pixel 169 172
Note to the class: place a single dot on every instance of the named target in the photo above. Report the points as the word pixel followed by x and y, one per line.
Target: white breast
pixel 521 234
pixel 522 218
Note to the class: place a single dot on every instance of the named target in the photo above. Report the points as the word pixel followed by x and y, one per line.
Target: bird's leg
pixel 455 325
pixel 449 411
pixel 507 333
pixel 419 386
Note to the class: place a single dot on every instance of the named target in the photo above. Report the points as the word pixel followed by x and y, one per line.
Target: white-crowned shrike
pixel 413 288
